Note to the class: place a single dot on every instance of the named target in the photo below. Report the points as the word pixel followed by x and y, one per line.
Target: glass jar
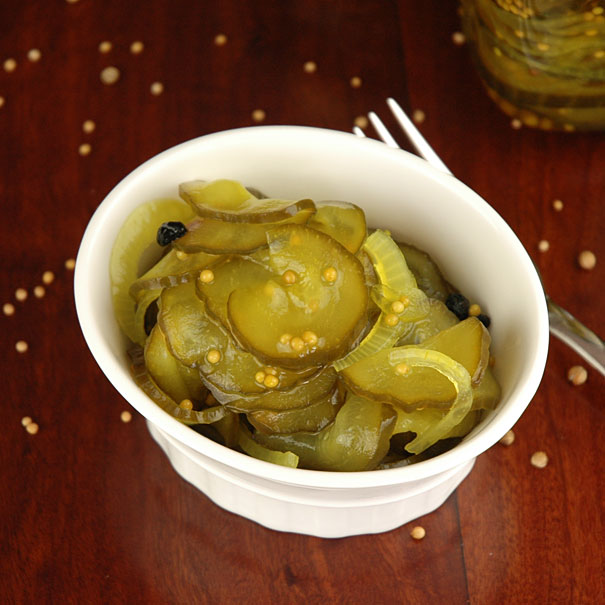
pixel 542 61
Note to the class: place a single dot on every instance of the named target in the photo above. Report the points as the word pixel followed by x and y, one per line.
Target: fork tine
pixel 382 130
pixel 419 142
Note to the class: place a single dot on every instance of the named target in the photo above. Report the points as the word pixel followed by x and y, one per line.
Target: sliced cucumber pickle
pixel 312 313
pixel 427 273
pixel 221 237
pixel 227 200
pixel 343 221
pixel 487 393
pixel 134 250
pixel 438 318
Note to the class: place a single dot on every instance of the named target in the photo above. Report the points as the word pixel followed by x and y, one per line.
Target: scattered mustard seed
pixel 70 264
pixel 157 88
pixel 48 277
pixel 557 205
pixel 587 260
pixel 84 149
pixel 26 420
pixel 186 404
pixel 285 338
pixel 71 1
pixel 391 320
pixel 88 126
pixel 289 277
pixel 258 115
pixel 206 276
pixel 105 46
pixel 297 344
pixel 271 381
pixel 181 255
pixel 539 459
pixel 418 116
pixel 1 101
pixel 8 309
pixel 577 375
pixel 136 48
pixel 508 438
pixel 34 55
pixel 516 124
pixel 310 337
pixel 21 346
pixel 361 122
pixel 458 38
pixel 20 294
pixel 10 65
pixel 110 75
pixel 39 291
pixel 125 416
pixel 543 245
pixel 213 356
pixel 259 377
pixel 310 67
pixel 32 428
pixel 397 306
pixel 418 532
pixel 355 82
pixel 401 369
pixel 220 39
pixel 330 274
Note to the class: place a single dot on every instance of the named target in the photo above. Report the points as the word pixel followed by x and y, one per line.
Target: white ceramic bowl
pixel 475 248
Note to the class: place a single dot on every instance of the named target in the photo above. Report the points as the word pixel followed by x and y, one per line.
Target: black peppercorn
pixel 169 232
pixel 458 305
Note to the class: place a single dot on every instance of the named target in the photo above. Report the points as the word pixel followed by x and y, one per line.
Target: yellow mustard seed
pixel 543 245
pixel 105 46
pixel 310 67
pixel 361 122
pixel 577 375
pixel 404 299
pixel 259 377
pixel 458 38
pixel 330 274
pixel 516 124
pixel 258 115
pixel 156 89
pixel 557 205
pixel 181 255
pixel 355 82
pixel 88 126
pixel 418 532
pixel 48 277
pixel 397 306
pixel 21 346
pixel 401 369
pixel 508 438
pixel 271 381
pixel 2 101
pixel 8 309
pixel 285 338
pixel 186 404
pixel 137 47
pixel 34 55
pixel 84 149
pixel 32 428
pixel 26 420
pixel 39 291
pixel 70 264
pixel 21 294
pixel 474 310
pixel 297 344
pixel 418 116
pixel 391 320
pixel 125 416
pixel 310 337
pixel 587 260
pixel 220 39
pixel 110 75
pixel 539 459
pixel 289 277
pixel 213 356
pixel 10 65
pixel 206 276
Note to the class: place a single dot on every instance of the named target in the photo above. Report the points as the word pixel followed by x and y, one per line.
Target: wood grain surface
pixel 90 509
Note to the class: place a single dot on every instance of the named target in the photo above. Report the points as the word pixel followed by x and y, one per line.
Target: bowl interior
pixel 474 247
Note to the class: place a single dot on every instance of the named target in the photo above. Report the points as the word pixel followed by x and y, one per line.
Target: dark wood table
pixel 90 509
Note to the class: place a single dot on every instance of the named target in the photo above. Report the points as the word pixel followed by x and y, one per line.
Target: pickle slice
pixel 343 221
pixel 487 393
pixel 313 313
pixel 175 379
pixel 134 249
pixel 171 270
pixel 311 418
pixel 438 318
pixel 427 273
pixel 467 342
pixel 227 200
pixel 356 441
pixel 221 237
pixel 229 273
pixel 141 316
pixel 256 450
pixel 198 341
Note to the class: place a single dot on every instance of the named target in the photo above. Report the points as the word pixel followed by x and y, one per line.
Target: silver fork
pixel 563 324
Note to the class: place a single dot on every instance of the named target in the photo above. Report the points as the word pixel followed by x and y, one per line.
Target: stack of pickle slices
pixel 288 330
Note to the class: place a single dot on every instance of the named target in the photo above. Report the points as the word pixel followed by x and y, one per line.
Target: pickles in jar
pixel 284 329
